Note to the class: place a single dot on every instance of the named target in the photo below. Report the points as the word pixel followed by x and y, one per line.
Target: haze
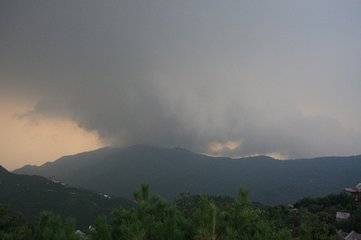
pixel 234 78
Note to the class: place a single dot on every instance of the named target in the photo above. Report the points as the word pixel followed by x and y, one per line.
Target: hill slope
pixel 32 194
pixel 120 171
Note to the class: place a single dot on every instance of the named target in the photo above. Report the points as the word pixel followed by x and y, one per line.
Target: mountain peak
pixel 151 148
pixel 2 169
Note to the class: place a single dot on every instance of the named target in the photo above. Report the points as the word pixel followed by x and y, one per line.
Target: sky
pixel 232 78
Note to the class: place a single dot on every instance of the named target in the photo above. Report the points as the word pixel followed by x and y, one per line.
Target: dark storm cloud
pixel 273 77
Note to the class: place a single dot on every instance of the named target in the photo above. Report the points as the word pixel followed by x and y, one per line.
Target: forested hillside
pixel 30 195
pixel 196 217
pixel 171 171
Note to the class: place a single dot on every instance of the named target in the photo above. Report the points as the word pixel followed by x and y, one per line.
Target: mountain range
pixel 30 195
pixel 171 171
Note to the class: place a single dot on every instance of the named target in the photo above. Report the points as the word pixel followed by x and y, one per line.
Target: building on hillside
pixel 348 236
pixel 342 216
pixel 356 192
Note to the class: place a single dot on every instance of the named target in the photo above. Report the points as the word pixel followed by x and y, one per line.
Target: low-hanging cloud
pixel 241 78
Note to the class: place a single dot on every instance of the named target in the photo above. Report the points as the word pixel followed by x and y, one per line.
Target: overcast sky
pixel 234 78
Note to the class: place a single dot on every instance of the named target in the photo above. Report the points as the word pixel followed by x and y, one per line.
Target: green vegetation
pixel 196 217
pixel 12 226
pixel 326 207
pixel 30 195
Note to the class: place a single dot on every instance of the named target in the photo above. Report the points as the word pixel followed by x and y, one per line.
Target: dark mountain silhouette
pixel 31 195
pixel 3 170
pixel 171 171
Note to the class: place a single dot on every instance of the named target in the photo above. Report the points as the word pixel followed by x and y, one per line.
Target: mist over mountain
pixel 171 171
pixel 30 195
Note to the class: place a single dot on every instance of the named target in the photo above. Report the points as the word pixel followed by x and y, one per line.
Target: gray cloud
pixel 275 77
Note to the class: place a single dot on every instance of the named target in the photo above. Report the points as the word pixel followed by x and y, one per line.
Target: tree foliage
pixel 195 217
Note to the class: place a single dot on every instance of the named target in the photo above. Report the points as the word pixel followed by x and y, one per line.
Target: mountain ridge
pixel 2 169
pixel 148 146
pixel 171 171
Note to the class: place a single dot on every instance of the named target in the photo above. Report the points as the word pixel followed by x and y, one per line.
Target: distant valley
pixel 171 171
